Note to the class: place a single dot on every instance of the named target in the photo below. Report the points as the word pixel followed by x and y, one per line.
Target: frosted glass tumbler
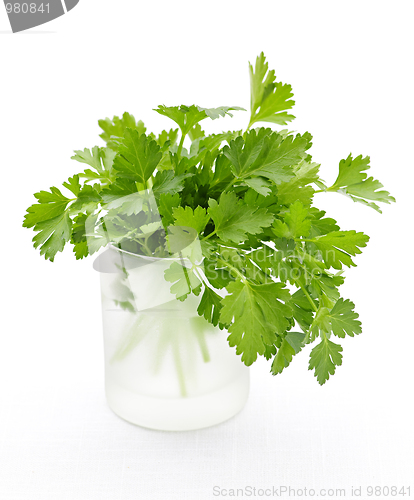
pixel 166 367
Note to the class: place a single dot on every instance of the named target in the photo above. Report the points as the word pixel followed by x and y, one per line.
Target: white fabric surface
pixel 68 445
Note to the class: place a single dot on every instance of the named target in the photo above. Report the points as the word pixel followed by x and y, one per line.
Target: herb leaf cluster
pixel 272 263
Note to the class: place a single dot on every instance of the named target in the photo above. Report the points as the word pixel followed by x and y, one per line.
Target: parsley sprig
pixel 269 264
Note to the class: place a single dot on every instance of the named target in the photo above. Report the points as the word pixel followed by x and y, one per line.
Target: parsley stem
pixel 230 184
pixel 308 333
pixel 327 190
pixel 179 367
pixel 180 146
pixel 311 240
pixel 312 303
pixel 209 235
pixel 239 274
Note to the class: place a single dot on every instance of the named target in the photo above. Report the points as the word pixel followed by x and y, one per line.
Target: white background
pixel 350 65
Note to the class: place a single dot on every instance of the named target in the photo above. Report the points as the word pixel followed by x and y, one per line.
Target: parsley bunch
pixel 272 262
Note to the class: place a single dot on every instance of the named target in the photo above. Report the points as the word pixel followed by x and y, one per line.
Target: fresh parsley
pixel 269 262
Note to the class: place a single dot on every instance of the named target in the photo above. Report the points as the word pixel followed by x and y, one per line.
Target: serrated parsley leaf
pixel 326 284
pixel 86 199
pixel 81 250
pixel 187 217
pixel 196 133
pixel 127 205
pixel 78 238
pixel 169 137
pixel 50 205
pixel 279 155
pixel 344 319
pixel 352 180
pixel 324 358
pixel 298 187
pixel 210 306
pixel 184 281
pixel 73 185
pixel 52 235
pixel 166 204
pixel 291 345
pixel 260 185
pixel 166 182
pixel 242 153
pixel 186 117
pixel 256 313
pixel 184 242
pixel 337 247
pixel 302 310
pixel 321 324
pixel 138 156
pixel 296 222
pixel 100 159
pixel 114 130
pixel 266 154
pixel 234 220
pixel 269 100
pixel 321 224
pixel 50 217
pixel 217 274
pixel 215 113
pixel 90 157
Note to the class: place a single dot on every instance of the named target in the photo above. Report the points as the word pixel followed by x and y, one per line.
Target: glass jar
pixel 166 367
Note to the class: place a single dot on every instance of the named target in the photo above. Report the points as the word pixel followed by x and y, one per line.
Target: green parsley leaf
pixel 187 217
pixel 321 224
pixel 196 133
pixel 291 345
pixel 86 199
pixel 298 188
pixel 169 137
pixel 260 185
pixel 321 324
pixel 166 204
pixel 184 281
pixel 324 358
pixel 210 306
pixel 52 235
pixel 269 99
pixel 256 313
pixel 352 180
pixel 50 205
pixel 265 154
pixel 338 246
pixel 296 222
pixel 344 319
pixel 130 204
pixel 166 182
pixel 101 160
pixel 326 284
pixel 79 237
pixel 302 310
pixel 114 130
pixel 138 157
pixel 186 117
pixel 218 275
pixel 234 220
pixel 118 189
